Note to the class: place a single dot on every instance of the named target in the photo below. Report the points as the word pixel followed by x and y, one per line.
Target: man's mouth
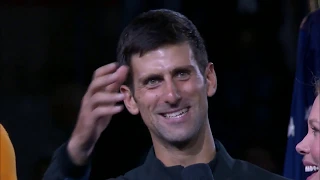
pixel 311 168
pixel 176 114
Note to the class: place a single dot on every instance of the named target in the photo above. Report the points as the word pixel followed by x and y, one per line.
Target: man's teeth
pixel 176 114
pixel 311 168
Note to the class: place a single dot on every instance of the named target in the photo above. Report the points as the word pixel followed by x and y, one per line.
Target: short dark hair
pixel 157 28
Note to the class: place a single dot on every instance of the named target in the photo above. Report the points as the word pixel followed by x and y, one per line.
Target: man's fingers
pixel 101 82
pixel 104 98
pixel 104 70
pixel 103 111
pixel 106 76
pixel 122 75
pixel 123 71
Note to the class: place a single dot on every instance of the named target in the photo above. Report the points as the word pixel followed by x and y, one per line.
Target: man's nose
pixel 171 94
pixel 303 148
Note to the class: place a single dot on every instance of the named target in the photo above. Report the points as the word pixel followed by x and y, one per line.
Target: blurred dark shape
pixel 261 157
pixel 40 168
pixel 65 104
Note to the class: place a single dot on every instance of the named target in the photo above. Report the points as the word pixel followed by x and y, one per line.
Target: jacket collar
pixel 221 166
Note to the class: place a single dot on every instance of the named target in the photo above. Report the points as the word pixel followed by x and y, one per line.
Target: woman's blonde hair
pixel 314 5
pixel 317 87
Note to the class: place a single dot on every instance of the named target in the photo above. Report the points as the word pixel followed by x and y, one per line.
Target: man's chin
pixel 179 142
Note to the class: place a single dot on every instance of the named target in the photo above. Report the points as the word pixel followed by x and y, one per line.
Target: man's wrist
pixel 70 167
pixel 78 157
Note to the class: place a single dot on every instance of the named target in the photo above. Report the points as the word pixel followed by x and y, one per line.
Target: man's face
pixel 170 92
pixel 310 145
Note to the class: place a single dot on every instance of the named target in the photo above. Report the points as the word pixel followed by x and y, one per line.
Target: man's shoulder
pixel 133 174
pixel 136 173
pixel 250 171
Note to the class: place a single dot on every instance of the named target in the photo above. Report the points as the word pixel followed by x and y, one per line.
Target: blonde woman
pixel 307 67
pixel 309 147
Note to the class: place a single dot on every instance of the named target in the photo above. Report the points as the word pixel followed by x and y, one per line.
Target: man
pixel 169 79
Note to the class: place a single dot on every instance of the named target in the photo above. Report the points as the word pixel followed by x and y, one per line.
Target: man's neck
pixel 200 150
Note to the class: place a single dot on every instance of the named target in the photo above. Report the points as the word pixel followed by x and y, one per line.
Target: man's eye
pixel 152 81
pixel 183 75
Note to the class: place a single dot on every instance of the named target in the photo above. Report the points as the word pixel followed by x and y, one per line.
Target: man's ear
pixel 211 79
pixel 129 100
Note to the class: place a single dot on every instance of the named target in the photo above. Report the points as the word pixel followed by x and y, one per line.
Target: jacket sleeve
pixel 62 168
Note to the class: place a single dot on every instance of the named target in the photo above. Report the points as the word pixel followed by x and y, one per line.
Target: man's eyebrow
pixel 184 67
pixel 158 75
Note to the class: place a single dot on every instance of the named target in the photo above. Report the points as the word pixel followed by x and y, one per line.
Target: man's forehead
pixel 174 54
pixel 162 50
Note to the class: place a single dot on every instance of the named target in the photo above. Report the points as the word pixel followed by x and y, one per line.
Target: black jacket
pixel 222 167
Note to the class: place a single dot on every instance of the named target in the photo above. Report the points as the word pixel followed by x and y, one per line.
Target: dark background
pixel 48 55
